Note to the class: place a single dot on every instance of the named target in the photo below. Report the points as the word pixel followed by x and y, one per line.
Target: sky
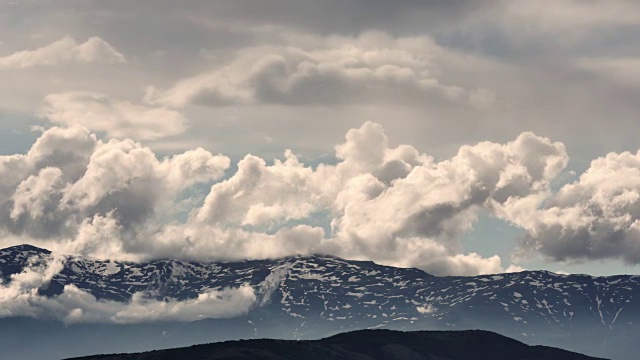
pixel 458 137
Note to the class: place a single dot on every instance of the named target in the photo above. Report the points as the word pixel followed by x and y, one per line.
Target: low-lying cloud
pixel 20 298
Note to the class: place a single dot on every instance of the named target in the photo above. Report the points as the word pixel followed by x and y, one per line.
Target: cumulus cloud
pixel 310 70
pixel 75 193
pixel 73 186
pixel 64 51
pixel 117 118
pixel 392 205
pixel 418 218
pixel 594 217
pixel 20 297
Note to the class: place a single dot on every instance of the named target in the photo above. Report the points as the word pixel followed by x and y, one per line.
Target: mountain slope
pixel 309 297
pixel 366 345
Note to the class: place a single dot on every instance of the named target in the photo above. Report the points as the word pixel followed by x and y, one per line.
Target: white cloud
pixel 418 219
pixel 35 194
pixel 72 186
pixel 310 70
pixel 514 268
pixel 118 118
pixel 20 298
pixel 64 51
pixel 428 309
pixel 595 217
pixel 393 205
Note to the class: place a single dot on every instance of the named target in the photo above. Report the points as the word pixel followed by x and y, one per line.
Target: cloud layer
pixel 311 70
pixel 75 193
pixel 117 118
pixel 247 75
pixel 64 51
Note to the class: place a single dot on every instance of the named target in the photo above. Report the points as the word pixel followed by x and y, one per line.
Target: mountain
pixel 366 345
pixel 310 297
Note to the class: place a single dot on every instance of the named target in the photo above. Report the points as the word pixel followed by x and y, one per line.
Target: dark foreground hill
pixel 366 345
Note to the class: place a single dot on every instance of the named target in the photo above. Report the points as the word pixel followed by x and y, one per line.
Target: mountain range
pixel 312 297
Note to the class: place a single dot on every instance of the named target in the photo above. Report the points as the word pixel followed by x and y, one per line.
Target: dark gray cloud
pixel 327 17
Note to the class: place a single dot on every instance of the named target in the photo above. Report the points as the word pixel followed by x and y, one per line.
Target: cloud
pixel 311 70
pixel 391 205
pixel 552 16
pixel 434 74
pixel 20 297
pixel 118 118
pixel 116 199
pixel 357 16
pixel 428 309
pixel 624 71
pixel 64 51
pixel 418 218
pixel 594 217
pixel 509 65
pixel 70 185
pixel 394 205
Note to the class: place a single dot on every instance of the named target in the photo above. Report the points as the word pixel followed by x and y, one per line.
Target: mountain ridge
pixel 310 297
pixel 29 247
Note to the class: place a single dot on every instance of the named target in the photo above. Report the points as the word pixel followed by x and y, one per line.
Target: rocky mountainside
pixel 309 297
pixel 367 345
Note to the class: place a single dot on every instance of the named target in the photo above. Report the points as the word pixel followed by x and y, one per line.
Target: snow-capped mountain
pixel 314 296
